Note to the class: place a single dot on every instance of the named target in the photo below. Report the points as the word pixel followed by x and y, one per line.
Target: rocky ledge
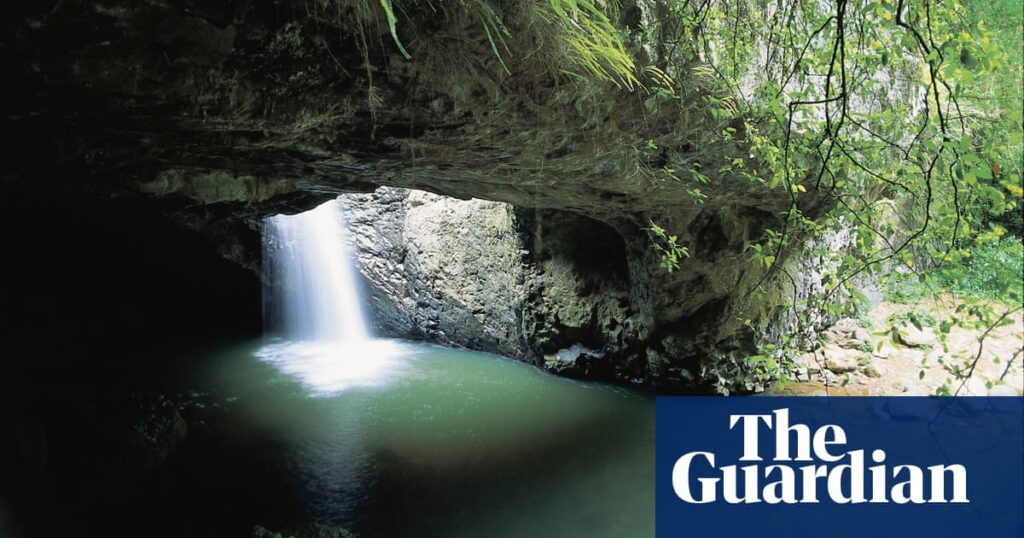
pixel 215 114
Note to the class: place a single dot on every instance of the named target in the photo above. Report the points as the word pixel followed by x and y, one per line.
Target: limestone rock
pixel 815 388
pixel 846 333
pixel 913 337
pixel 841 360
pixel 883 353
pixel 808 359
pixel 577 361
pixel 871 370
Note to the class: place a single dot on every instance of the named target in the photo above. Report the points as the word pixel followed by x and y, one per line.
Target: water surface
pixel 393 438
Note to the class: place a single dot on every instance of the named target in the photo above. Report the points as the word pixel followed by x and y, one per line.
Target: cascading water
pixel 311 287
pixel 311 306
pixel 392 438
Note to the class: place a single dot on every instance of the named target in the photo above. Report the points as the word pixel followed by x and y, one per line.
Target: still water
pixel 394 438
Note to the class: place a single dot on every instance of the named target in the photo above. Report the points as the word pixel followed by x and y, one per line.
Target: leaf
pixel 392 21
pixel 494 48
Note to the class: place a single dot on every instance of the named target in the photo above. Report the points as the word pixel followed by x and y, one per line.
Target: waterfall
pixel 312 306
pixel 312 293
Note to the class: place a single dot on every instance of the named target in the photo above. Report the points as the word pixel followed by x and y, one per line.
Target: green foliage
pixel 583 28
pixel 389 13
pixel 772 364
pixel 917 102
pixel 668 248
pixel 992 269
pixel 918 318
pixel 897 119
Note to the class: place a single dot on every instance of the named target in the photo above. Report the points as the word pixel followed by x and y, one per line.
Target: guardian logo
pixel 844 482
pixel 845 467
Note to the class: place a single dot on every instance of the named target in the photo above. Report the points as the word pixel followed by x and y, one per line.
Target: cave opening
pixel 141 387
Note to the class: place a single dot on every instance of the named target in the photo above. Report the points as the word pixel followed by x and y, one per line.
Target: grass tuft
pixel 587 34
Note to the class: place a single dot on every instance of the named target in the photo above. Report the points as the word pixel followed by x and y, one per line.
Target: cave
pixel 120 306
pixel 145 147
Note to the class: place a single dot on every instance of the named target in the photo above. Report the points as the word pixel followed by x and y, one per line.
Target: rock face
pixel 492 277
pixel 442 269
pixel 216 114
pixel 554 288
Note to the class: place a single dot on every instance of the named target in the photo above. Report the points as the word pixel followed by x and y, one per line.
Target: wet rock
pixel 577 361
pixel 570 355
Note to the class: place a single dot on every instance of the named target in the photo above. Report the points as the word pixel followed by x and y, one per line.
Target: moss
pixel 211 187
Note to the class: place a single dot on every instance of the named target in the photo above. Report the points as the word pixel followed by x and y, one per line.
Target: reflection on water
pixel 392 438
pixel 330 367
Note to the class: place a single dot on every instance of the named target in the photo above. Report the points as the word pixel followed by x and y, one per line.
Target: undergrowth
pixel 992 270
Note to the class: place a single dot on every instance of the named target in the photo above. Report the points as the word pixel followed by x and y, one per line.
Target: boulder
pixel 846 333
pixel 913 337
pixel 841 360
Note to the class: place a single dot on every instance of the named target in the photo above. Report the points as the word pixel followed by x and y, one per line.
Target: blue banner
pixel 840 467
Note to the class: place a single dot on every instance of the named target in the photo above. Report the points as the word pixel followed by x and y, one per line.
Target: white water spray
pixel 312 301
pixel 312 289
